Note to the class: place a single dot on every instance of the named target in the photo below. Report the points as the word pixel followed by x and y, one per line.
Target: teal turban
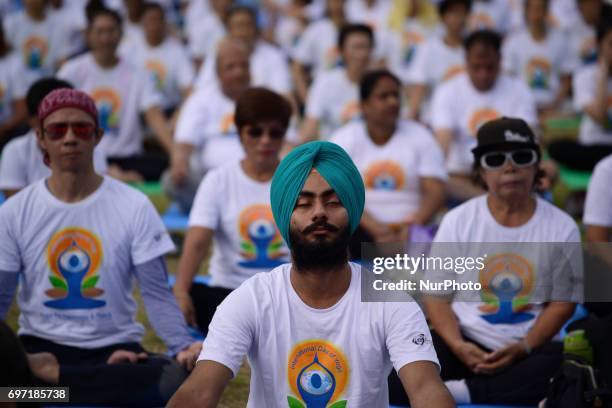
pixel 336 167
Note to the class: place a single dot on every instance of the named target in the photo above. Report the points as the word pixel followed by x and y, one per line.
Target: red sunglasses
pixel 82 130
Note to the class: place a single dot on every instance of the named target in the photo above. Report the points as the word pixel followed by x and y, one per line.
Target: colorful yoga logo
pixel 74 256
pixel 318 374
pixel 108 103
pixel 538 73
pixel 261 243
pixel 480 117
pixel 507 282
pixel 410 41
pixel 35 50
pixel 384 175
pixel 157 70
pixel 333 58
pixel 588 50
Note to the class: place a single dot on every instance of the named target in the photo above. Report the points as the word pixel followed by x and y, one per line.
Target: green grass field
pixel 236 394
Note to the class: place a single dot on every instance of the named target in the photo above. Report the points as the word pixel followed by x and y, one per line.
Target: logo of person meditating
pixel 507 281
pixel 318 374
pixel 261 243
pixel 384 175
pixel 74 256
pixel 35 50
pixel 157 70
pixel 538 72
pixel 108 103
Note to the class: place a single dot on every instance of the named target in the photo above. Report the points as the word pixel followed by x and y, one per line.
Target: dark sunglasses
pixel 258 131
pixel 82 130
pixel 518 158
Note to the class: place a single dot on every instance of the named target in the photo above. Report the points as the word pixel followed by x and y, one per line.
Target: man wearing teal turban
pixel 310 340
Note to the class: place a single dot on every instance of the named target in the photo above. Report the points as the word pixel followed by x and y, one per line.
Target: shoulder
pixel 128 196
pixel 18 146
pixel 561 220
pixel 18 202
pixel 347 134
pixel 464 211
pixel 415 130
pixel 448 88
pixel 76 64
pixel 267 50
pixel 603 167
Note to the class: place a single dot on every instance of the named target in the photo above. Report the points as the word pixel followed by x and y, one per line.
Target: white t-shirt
pixel 582 45
pixel 377 17
pixel 41 44
pixel 540 269
pixel 413 39
pixel 204 37
pixel 121 93
pixel 269 68
pixel 490 14
pixel 435 63
pixel 169 66
pixel 585 84
pixel 540 64
pixel 206 121
pixel 464 115
pixel 22 163
pixel 246 239
pixel 598 205
pixel 76 261
pixel 392 172
pixel 333 100
pixel 13 85
pixel 346 350
pixel 74 21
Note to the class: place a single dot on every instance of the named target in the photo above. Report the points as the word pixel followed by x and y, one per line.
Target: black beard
pixel 319 255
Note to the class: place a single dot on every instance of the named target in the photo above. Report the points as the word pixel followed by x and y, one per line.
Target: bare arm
pixel 300 79
pixel 424 387
pixel 179 162
pixel 309 130
pixel 379 231
pixel 432 198
pixel 549 322
pixel 195 249
pixel 595 233
pixel 9 193
pixel 204 387
pixel 444 138
pixel 416 94
pixel 157 122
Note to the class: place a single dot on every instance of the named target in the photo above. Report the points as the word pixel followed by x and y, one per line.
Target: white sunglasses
pixel 518 158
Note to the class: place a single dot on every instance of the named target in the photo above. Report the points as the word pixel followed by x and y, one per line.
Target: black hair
pixel 487 38
pixel 369 81
pixel 153 6
pixel 41 88
pixel 241 9
pixel 444 5
pixel 527 3
pixel 350 29
pixel 260 104
pixel 603 29
pixel 95 9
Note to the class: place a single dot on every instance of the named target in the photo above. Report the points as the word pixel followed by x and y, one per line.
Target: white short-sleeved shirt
pixel 436 62
pixel 333 100
pixel 22 163
pixel 296 352
pixel 490 14
pixel 598 205
pixel 169 66
pixel 585 84
pixel 540 269
pixel 121 93
pixel 13 85
pixel 246 239
pixel 206 121
pixel 540 64
pixel 269 68
pixel 377 17
pixel 41 44
pixel 76 261
pixel 464 115
pixel 392 172
pixel 413 38
pixel 582 45
pixel 204 37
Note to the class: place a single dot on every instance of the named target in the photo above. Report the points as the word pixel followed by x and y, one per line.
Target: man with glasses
pixel 77 240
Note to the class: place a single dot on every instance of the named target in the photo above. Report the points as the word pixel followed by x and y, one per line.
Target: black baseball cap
pixel 504 133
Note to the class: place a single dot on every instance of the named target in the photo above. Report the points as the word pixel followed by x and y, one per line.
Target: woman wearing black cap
pixel 489 346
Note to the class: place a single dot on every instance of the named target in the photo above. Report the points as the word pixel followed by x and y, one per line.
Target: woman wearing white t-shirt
pixel 333 98
pixel 232 209
pixel 399 160
pixel 500 348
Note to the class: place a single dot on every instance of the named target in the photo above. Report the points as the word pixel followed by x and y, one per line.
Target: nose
pixel 319 212
pixel 69 137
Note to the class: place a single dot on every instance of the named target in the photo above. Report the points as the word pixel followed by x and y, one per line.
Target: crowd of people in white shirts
pixel 403 86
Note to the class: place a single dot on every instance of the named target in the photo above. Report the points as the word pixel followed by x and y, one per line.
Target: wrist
pixel 526 346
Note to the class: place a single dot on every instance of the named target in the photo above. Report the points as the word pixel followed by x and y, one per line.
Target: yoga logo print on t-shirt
pixel 538 73
pixel 108 102
pixel 227 124
pixel 507 282
pixel 74 255
pixel 261 243
pixel 384 175
pixel 588 50
pixel 317 373
pixel 35 50
pixel 411 41
pixel 157 70
pixel 332 58
pixel 480 117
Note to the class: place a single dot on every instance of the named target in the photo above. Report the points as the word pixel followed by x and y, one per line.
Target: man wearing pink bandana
pixel 78 241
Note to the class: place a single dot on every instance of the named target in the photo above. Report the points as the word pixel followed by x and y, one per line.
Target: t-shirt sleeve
pixel 303 50
pixel 206 211
pixel 232 329
pixel 10 258
pixel 598 205
pixel 13 171
pixel 526 106
pixel 99 158
pixel 150 238
pixel 149 95
pixel 315 106
pixel 442 109
pixel 186 72
pixel 584 87
pixel 190 122
pixel 407 336
pixel 510 63
pixel 431 159
pixel 417 74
